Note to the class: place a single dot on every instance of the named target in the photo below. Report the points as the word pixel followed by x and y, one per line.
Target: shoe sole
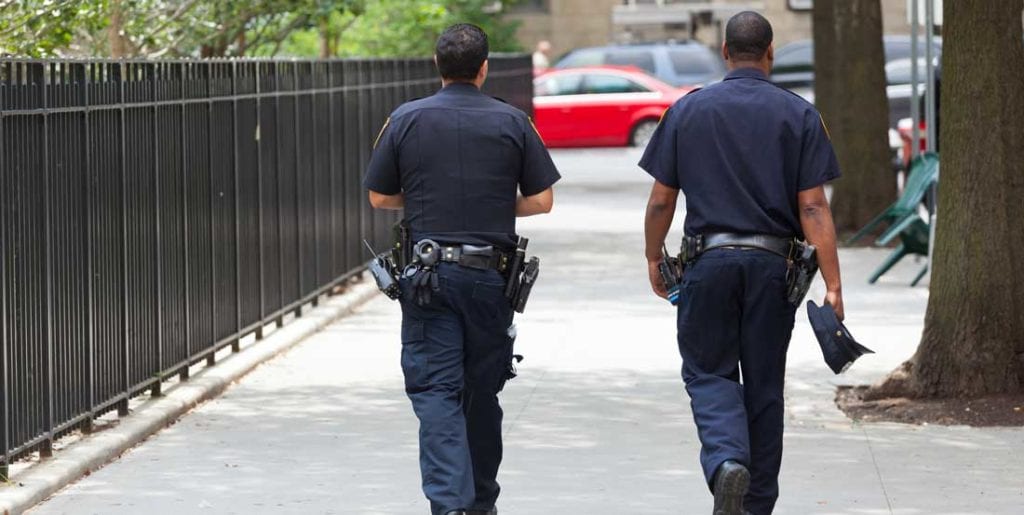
pixel 730 490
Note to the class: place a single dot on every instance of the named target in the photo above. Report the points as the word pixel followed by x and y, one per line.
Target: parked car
pixel 685 64
pixel 900 90
pixel 600 106
pixel 794 62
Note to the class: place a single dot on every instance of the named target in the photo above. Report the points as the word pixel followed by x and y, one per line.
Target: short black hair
pixel 461 51
pixel 748 36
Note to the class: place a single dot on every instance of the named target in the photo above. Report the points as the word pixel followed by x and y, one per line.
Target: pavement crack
pixel 526 404
pixel 878 471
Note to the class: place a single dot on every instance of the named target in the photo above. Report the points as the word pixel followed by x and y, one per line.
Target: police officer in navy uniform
pixel 463 166
pixel 751 160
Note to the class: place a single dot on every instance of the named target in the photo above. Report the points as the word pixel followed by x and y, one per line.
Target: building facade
pixel 569 24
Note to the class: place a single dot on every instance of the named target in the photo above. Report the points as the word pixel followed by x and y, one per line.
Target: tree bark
pixel 326 39
pixel 115 38
pixel 973 342
pixel 849 85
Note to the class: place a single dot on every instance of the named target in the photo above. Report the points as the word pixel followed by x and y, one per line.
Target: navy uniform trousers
pixel 734 329
pixel 456 353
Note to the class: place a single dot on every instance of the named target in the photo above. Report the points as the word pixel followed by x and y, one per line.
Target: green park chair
pixel 903 218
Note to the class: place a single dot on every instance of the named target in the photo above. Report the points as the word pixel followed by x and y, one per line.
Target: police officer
pixel 751 160
pixel 463 165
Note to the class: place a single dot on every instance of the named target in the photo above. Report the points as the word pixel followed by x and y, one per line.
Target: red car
pixel 600 106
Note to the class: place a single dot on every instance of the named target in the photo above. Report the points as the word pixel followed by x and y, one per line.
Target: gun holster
pixel 522 275
pixel 401 252
pixel 803 266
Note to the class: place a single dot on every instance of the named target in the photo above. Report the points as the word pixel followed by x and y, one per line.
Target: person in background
pixel 540 56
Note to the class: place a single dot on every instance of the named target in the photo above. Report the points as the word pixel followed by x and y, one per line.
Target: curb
pixel 94 451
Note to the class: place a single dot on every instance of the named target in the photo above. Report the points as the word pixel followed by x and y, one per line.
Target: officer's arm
pixel 816 221
pixel 538 204
pixel 661 208
pixel 382 201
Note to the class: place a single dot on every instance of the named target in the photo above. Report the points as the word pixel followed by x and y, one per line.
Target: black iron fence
pixel 154 213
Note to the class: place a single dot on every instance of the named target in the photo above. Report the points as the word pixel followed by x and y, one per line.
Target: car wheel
pixel 642 133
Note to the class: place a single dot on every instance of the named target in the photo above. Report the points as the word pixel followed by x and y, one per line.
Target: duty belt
pixel 785 247
pixel 475 256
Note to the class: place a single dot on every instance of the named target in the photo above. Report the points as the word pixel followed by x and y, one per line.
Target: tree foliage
pixel 392 28
pixel 228 28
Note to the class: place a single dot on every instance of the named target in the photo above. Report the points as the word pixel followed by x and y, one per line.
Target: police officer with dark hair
pixel 751 160
pixel 463 165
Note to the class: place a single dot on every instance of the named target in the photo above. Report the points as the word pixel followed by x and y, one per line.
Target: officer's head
pixel 461 54
pixel 748 42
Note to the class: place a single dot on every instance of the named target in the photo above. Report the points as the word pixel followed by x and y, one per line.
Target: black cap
pixel 837 344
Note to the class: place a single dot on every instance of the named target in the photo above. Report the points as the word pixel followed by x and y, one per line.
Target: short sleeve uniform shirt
pixel 740 151
pixel 460 157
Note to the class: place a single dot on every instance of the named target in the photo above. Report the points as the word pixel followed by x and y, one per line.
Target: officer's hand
pixel 835 298
pixel 656 284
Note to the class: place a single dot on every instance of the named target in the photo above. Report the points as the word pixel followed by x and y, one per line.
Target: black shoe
pixel 492 511
pixel 731 483
pixel 455 512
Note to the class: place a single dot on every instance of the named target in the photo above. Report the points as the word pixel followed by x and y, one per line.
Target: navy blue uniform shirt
pixel 459 157
pixel 741 150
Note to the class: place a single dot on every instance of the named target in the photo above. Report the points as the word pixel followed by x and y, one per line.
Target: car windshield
pixel 696 61
pixel 581 58
pixel 643 59
pixel 800 55
pixel 899 71
pixel 557 85
pixel 603 84
pixel 794 57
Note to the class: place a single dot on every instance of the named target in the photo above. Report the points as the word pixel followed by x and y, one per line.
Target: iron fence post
pixel 186 71
pixel 156 390
pixel 122 407
pixel 238 220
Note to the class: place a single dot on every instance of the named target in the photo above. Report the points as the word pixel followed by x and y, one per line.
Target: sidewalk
pixel 596 423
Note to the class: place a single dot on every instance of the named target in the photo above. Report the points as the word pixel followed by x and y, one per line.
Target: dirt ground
pixel 1002 410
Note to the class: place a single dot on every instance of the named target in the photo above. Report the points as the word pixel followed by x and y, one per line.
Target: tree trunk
pixel 115 38
pixel 973 342
pixel 849 85
pixel 326 39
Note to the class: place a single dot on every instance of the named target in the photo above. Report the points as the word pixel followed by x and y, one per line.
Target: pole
pixel 930 120
pixel 915 79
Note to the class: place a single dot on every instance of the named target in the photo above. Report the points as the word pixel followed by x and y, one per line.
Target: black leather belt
pixel 475 256
pixel 774 244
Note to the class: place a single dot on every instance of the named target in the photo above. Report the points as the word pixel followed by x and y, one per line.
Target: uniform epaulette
pixel 499 99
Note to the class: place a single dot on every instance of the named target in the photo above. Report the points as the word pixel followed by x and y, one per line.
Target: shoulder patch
pixel 534 125
pixel 825 126
pixel 381 133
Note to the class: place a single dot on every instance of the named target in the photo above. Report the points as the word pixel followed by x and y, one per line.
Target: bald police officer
pixel 455 161
pixel 751 160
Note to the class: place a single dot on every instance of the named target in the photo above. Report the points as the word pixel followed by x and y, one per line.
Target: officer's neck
pixel 764 65
pixel 475 83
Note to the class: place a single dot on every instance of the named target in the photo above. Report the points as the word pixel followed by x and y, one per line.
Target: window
pixel 795 58
pixel 605 84
pixel 557 85
pixel 693 62
pixel 643 59
pixel 581 58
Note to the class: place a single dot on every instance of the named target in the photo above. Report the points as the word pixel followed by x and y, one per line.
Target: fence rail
pixel 153 213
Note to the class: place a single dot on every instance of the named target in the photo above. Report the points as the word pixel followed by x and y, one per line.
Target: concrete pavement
pixel 596 423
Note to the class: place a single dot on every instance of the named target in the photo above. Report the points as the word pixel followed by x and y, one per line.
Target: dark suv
pixel 794 62
pixel 679 64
